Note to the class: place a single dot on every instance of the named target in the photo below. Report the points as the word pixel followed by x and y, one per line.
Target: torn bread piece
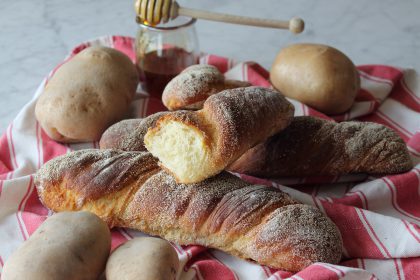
pixel 195 145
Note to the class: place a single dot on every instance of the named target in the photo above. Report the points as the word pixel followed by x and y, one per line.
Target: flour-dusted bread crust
pixel 195 145
pixel 86 95
pixel 129 189
pixel 128 135
pixel 313 146
pixel 194 85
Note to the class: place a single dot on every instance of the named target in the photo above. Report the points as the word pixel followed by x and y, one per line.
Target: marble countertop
pixel 37 35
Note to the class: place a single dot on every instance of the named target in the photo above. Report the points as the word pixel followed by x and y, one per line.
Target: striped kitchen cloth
pixel 379 217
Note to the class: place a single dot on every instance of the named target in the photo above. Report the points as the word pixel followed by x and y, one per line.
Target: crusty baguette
pixel 128 135
pixel 128 189
pixel 309 146
pixel 195 145
pixel 313 146
pixel 194 85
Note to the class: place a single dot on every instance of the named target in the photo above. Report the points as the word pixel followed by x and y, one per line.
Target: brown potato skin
pixel 86 95
pixel 67 246
pixel 317 75
pixel 143 258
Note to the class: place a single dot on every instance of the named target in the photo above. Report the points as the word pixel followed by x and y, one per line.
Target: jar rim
pixel 191 21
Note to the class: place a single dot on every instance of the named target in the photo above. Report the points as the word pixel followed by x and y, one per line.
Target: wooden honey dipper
pixel 153 12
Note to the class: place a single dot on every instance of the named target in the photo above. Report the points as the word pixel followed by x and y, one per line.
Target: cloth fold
pixel 379 217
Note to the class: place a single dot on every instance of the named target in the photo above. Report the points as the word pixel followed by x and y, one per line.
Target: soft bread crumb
pixel 180 148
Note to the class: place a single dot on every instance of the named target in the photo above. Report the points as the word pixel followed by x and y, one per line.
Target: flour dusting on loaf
pixel 128 135
pixel 195 145
pixel 313 146
pixel 196 78
pixel 194 85
pixel 247 113
pixel 381 142
pixel 93 173
pixel 292 224
pixel 54 169
pixel 118 135
pixel 128 189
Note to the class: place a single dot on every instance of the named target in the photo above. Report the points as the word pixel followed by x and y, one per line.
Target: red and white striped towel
pixel 379 217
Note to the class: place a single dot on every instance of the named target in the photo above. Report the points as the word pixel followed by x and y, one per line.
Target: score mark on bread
pixel 254 222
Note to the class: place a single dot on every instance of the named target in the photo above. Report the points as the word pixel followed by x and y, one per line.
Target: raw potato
pixel 86 95
pixel 68 245
pixel 319 76
pixel 143 258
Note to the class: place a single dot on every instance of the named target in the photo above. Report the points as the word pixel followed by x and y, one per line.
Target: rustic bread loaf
pixel 313 146
pixel 195 145
pixel 194 85
pixel 128 135
pixel 128 189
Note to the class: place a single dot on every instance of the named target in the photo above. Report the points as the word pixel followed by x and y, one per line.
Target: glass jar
pixel 163 51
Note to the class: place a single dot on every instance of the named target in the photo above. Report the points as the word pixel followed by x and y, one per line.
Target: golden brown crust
pixel 237 116
pixel 113 138
pixel 312 146
pixel 194 85
pixel 93 177
pixel 231 122
pixel 128 135
pixel 253 222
